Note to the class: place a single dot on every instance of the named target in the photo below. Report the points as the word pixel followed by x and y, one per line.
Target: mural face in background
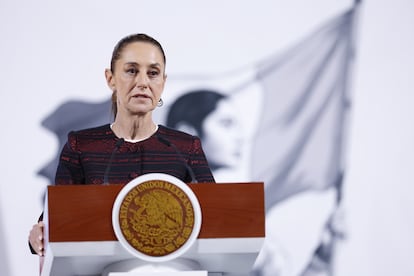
pixel 222 136
pixel 211 116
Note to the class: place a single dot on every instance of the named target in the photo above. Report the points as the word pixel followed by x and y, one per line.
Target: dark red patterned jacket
pixel 86 157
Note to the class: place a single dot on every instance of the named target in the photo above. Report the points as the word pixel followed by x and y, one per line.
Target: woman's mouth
pixel 141 97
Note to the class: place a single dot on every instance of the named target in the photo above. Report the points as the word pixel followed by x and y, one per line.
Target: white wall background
pixel 52 51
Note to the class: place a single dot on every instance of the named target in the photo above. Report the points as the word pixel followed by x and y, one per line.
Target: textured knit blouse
pixel 97 155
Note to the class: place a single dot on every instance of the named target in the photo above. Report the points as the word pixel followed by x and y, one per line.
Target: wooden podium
pixel 80 240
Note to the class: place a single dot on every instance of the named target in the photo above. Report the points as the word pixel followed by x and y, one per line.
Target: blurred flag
pixel 299 144
pixel 301 138
pixel 4 256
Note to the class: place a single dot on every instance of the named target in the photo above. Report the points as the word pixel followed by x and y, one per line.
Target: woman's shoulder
pixel 174 134
pixel 93 131
pixel 180 139
pixel 88 137
pixel 95 139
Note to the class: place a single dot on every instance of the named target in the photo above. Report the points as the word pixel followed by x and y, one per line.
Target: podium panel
pixel 80 239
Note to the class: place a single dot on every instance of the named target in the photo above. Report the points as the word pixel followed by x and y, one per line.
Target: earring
pixel 160 102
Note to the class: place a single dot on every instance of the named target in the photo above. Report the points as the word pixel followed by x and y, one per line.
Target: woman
pixel 133 144
pixel 212 117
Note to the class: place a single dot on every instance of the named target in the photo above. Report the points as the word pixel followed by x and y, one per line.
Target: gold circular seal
pixel 156 217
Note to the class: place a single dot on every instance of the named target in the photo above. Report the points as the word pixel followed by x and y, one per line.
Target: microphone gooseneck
pixel 118 144
pixel 169 144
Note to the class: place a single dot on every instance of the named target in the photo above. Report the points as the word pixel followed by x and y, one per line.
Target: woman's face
pixel 222 136
pixel 138 78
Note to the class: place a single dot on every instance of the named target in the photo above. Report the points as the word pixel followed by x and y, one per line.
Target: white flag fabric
pixel 299 148
pixel 4 256
pixel 300 139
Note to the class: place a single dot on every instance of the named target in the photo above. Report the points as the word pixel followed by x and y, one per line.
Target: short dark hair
pixel 192 108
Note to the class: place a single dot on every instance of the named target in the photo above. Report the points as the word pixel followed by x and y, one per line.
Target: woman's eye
pixel 132 71
pixel 153 73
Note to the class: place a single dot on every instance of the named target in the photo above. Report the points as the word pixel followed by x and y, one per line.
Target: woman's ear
pixel 187 128
pixel 164 79
pixel 109 79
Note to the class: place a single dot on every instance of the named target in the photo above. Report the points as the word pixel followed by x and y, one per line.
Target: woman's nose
pixel 141 81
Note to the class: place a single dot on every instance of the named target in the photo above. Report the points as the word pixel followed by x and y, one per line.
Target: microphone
pixel 117 145
pixel 169 144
